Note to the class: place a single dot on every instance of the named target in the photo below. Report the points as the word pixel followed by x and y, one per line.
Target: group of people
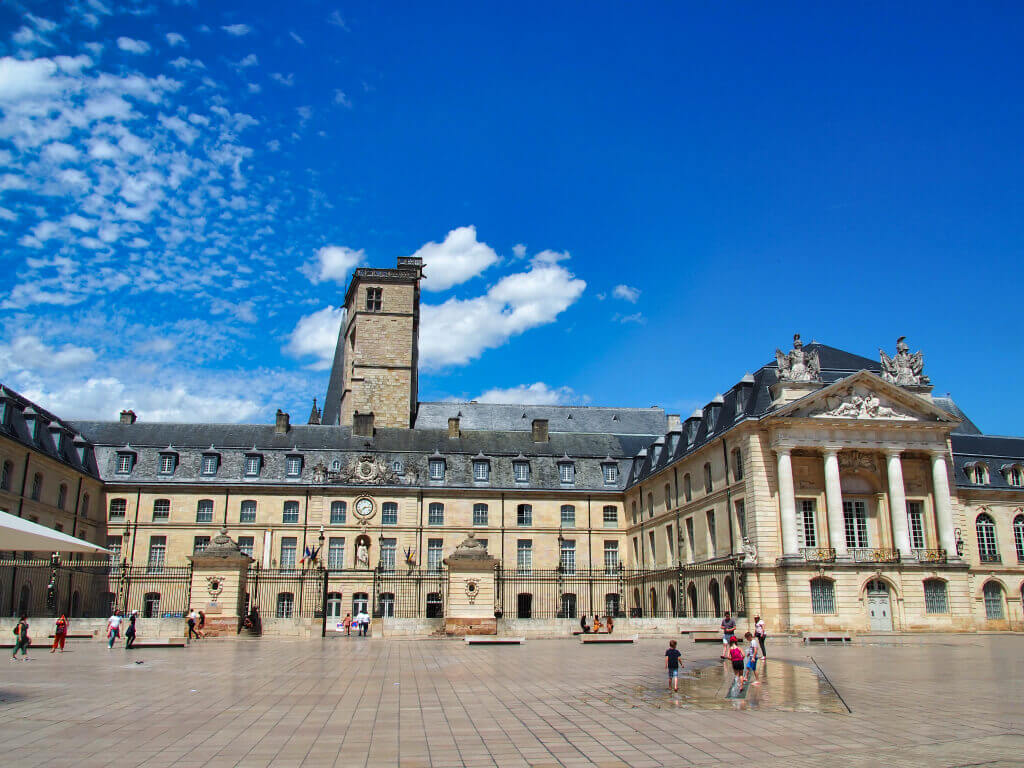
pixel 744 661
pixel 361 622
pixel 196 624
pixel 22 639
pixel 114 623
pixel 597 626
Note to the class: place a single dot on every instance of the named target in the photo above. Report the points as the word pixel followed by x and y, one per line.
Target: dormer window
pixel 481 470
pixel 253 465
pixel 399 467
pixel 521 471
pixel 293 466
pixel 611 473
pixel 168 463
pixel 977 473
pixel 210 463
pixel 1014 475
pixel 567 473
pixel 125 463
pixel 437 469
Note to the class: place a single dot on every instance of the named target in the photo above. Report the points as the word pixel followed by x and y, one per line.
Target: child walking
pixel 672 664
pixel 750 662
pixel 736 656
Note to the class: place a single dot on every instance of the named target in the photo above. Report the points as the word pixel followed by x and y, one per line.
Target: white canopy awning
pixel 17 533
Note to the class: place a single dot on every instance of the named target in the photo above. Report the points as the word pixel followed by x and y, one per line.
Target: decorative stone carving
pixel 472 590
pixel 362 555
pixel 214 585
pixel 905 368
pixel 749 551
pixel 860 404
pixel 319 473
pixel 367 470
pixel 471 548
pixel 850 460
pixel 797 365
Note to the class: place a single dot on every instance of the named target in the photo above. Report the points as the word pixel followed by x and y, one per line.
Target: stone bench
pixel 827 637
pixel 701 636
pixel 77 635
pixel 581 632
pixel 159 642
pixel 481 640
pixel 592 639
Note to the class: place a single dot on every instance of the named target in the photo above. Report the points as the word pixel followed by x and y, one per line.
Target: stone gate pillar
pixel 470 609
pixel 219 576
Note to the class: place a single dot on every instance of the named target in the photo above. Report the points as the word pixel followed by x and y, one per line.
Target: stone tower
pixel 374 376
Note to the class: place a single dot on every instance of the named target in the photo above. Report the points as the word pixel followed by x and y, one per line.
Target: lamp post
pixel 51 588
pixel 320 552
pixel 122 580
pixel 561 585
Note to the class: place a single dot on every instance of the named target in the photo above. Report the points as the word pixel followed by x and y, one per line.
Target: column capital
pixel 893 452
pixel 831 450
pixel 783 450
pixel 938 453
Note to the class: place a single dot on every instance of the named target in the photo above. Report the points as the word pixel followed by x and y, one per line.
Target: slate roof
pixel 996 451
pixel 561 418
pixel 15 425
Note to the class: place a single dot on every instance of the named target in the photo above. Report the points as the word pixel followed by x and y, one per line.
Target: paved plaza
pixel 938 700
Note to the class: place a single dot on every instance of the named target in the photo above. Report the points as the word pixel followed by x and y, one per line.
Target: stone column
pixel 834 502
pixel 943 504
pixel 787 502
pixel 897 502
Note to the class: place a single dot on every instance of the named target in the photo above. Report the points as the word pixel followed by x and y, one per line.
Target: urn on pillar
pixel 219 584
pixel 470 590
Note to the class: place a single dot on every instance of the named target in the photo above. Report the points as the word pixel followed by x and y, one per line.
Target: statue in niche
pixel 362 555
pixel 797 365
pixel 905 368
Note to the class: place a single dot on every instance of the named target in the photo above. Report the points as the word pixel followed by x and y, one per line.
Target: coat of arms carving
pixel 367 470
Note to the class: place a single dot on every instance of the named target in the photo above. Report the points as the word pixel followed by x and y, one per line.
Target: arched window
pixel 691 597
pixel 936 599
pixel 716 598
pixel 668 498
pixel 634 513
pixel 988 549
pixel 334 605
pixel 708 483
pixel 5 478
pixel 672 601
pixel 37 486
pixel 993 600
pixel 730 595
pixel 650 505
pixel 638 609
pixel 823 596
pixel 654 602
pixel 1018 537
pixel 1015 475
pixel 737 464
pixel 285 605
pixel 85 505
pixel 62 496
pixel 290 514
pixel 568 516
pixel 687 487
pixel 76 604
pixel 977 473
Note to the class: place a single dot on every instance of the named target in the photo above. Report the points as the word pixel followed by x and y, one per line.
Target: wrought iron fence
pixel 413 593
pixel 163 594
pixel 285 593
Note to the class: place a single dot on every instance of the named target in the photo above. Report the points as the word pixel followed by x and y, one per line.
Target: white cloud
pixel 336 20
pixel 626 293
pixel 460 330
pixel 129 45
pixel 174 39
pixel 460 257
pixel 537 393
pixel 29 352
pixel 519 250
pixel 296 38
pixel 237 30
pixel 285 80
pixel 305 113
pixel 636 318
pixel 316 335
pixel 249 61
pixel 332 262
pixel 342 99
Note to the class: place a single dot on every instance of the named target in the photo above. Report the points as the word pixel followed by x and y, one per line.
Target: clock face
pixel 364 507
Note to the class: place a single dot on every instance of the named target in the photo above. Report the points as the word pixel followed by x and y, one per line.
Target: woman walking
pixel 129 634
pixel 21 639
pixel 60 634
pixel 761 635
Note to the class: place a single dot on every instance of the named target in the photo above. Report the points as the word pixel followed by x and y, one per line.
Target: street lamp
pixel 320 552
pixel 561 586
pixel 51 588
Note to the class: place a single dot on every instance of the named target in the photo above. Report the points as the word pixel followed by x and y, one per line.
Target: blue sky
pixel 624 204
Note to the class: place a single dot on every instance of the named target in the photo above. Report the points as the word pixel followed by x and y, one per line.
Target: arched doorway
pixel 654 602
pixel 24 598
pixel 672 600
pixel 879 606
pixel 360 603
pixel 730 595
pixel 524 605
pixel 691 596
pixel 76 604
pixel 334 605
pixel 716 598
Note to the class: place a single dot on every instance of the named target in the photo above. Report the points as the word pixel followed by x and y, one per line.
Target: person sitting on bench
pixel 597 623
pixel 583 624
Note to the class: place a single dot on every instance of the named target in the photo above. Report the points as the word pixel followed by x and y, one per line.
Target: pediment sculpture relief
pixel 850 460
pixel 860 404
pixel 905 369
pixel 367 470
pixel 797 365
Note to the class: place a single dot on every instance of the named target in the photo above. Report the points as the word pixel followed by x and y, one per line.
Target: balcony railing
pixel 818 554
pixel 930 555
pixel 990 557
pixel 875 555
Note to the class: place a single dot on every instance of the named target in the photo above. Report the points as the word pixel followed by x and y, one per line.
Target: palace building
pixel 824 491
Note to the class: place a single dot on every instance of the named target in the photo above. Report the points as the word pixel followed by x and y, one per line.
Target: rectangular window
pixel 337 513
pixel 741 517
pixel 855 523
pixel 167 462
pixel 611 556
pixel 204 511
pixel 435 514
pixel 252 466
pixel 610 517
pixel 611 473
pixel 668 539
pixel 479 514
pixel 245 545
pixel 690 543
pixel 935 600
pixel 434 552
pixel 807 528
pixel 567 473
pixel 336 553
pixel 915 517
pixel 157 554
pixel 524 555
pixel 288 546
pixel 823 596
pixel 114 545
pixel 521 471
pixel 124 463
pixel 374 299
pixel 437 469
pixel 293 466
pixel 210 464
pixel 199 544
pixel 389 513
pixel 524 514
pixel 118 507
pixel 481 470
pixel 653 552
pixel 247 514
pixel 387 554
pixel 568 516
pixel 636 552
pixel 161 509
pixel 567 557
pixel 712 534
pixel 291 512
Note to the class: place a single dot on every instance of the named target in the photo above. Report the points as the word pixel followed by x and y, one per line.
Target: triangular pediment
pixel 866 397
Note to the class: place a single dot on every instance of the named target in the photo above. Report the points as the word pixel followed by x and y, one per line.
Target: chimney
pixel 281 425
pixel 128 417
pixel 453 428
pixel 675 423
pixel 540 430
pixel 362 424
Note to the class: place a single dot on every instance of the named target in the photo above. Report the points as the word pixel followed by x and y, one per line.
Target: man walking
pixel 113 629
pixel 21 639
pixel 728 628
pixel 193 617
